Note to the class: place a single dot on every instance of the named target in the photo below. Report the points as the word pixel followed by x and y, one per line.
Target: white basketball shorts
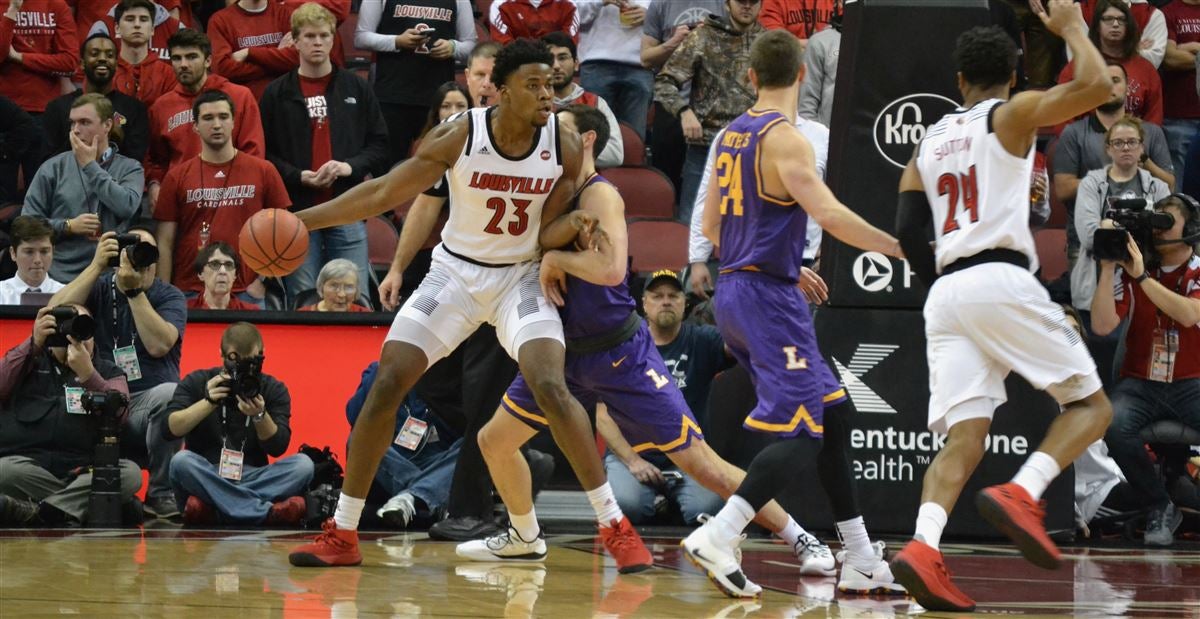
pixel 457 296
pixel 986 321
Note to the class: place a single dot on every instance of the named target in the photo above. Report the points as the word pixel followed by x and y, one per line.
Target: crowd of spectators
pixel 175 121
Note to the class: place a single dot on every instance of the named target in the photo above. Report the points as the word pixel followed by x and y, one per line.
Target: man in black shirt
pixel 99 56
pixel 223 473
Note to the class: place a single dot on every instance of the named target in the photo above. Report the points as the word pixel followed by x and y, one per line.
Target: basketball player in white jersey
pixel 512 174
pixel 986 314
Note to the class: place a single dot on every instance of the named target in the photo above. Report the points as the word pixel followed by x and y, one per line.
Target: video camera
pixel 142 254
pixel 104 502
pixel 1131 216
pixel 245 377
pixel 68 321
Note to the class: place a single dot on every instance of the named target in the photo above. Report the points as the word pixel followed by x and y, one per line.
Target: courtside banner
pixel 881 363
pixel 895 78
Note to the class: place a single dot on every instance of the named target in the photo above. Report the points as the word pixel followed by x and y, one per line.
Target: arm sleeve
pixel 1087 213
pixel 122 195
pixel 498 24
pixel 678 70
pixel 6 35
pixel 464 31
pixel 189 391
pixel 913 217
pixel 699 247
pixel 39 201
pixel 771 15
pixel 279 407
pixel 63 60
pixel 1156 33
pixel 222 55
pixel 814 79
pixel 277 192
pixel 372 158
pixel 365 35
pixel 570 21
pixel 14 366
pixel 613 154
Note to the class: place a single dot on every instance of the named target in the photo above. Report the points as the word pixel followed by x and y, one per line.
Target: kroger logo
pixel 902 123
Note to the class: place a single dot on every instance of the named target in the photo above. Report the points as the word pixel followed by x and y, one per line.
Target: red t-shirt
pixel 1144 98
pixel 44 33
pixel 197 302
pixel 313 89
pixel 1179 87
pixel 802 18
pixel 200 196
pixel 1147 318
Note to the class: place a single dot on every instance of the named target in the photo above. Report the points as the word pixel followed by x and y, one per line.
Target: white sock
pixel 605 505
pixel 526 525
pixel 792 532
pixel 734 517
pixel 931 519
pixel 349 510
pixel 856 542
pixel 1037 473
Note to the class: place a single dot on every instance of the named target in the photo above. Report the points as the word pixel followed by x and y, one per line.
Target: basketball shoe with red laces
pixel 333 547
pixel 1009 508
pixel 922 571
pixel 625 545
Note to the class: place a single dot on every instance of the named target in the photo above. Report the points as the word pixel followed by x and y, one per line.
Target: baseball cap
pixel 663 275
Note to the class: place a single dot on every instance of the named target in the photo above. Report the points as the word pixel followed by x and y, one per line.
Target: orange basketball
pixel 273 242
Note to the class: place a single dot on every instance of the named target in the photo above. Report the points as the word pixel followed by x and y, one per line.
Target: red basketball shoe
pixel 625 545
pixel 1011 510
pixel 921 569
pixel 333 547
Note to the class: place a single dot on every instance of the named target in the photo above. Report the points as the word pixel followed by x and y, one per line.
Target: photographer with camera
pixel 88 190
pixel 47 437
pixel 139 327
pixel 1161 373
pixel 231 418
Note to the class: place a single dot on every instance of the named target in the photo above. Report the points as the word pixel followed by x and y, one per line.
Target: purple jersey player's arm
pixel 1017 121
pixel 559 227
pixel 438 152
pixel 605 265
pixel 793 161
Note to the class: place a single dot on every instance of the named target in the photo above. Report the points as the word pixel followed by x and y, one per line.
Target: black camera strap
pixel 225 434
pixel 116 322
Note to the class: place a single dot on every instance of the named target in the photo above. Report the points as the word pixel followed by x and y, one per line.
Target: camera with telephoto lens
pixel 104 502
pixel 1133 218
pixel 245 377
pixel 141 253
pixel 68 321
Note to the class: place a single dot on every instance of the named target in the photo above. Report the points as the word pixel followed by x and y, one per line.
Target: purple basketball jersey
pixel 759 232
pixel 594 310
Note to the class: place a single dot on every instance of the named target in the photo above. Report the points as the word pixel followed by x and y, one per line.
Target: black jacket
pixel 205 439
pixel 358 133
pixel 56 122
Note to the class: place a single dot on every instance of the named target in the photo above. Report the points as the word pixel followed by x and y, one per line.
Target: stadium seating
pixel 655 245
pixel 647 192
pixel 635 148
pixel 382 239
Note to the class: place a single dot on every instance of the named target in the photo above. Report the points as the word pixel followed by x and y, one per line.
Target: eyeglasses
pixel 1113 20
pixel 346 288
pixel 218 265
pixel 1123 144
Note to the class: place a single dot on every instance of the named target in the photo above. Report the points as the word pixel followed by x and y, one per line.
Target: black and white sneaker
pixel 719 561
pixel 504 546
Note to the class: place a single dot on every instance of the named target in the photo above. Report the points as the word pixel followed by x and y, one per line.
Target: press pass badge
pixel 126 358
pixel 231 464
pixel 74 397
pixel 412 435
pixel 1162 355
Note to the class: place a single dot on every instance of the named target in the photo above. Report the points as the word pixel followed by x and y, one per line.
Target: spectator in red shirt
pixel 251 45
pixel 172 138
pixel 1117 38
pixel 326 133
pixel 164 26
pixel 140 73
pixel 217 265
pixel 802 18
pixel 209 197
pixel 1181 105
pixel 1161 372
pixel 525 19
pixel 38 46
pixel 337 287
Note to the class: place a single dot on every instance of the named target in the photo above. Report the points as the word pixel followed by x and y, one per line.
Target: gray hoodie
pixel 1090 205
pixel 61 190
pixel 613 154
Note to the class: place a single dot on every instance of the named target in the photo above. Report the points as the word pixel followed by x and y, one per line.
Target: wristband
pixel 1141 278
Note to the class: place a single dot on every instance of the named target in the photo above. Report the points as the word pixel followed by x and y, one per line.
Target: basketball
pixel 273 242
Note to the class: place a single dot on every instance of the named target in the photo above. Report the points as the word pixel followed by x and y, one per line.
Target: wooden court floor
pixel 245 575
